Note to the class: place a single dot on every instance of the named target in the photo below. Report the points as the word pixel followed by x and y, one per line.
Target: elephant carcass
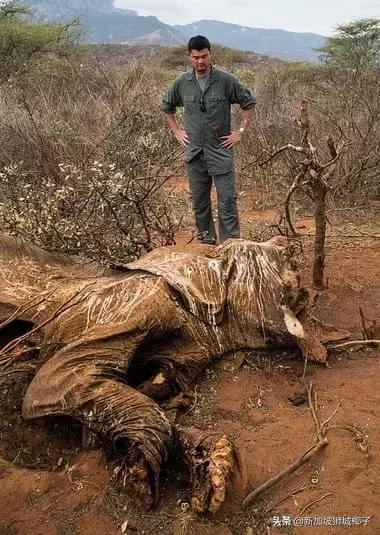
pixel 118 345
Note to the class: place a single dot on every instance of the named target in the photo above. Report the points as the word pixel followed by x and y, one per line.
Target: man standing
pixel 206 93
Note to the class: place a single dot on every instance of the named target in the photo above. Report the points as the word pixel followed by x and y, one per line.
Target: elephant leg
pixel 211 460
pixel 133 422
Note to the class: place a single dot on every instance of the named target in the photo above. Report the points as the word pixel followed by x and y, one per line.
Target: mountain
pixel 56 10
pixel 278 43
pixel 103 23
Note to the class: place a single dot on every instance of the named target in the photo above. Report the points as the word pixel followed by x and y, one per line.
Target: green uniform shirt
pixel 205 127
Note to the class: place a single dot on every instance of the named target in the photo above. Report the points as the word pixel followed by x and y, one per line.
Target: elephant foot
pixel 211 460
pixel 136 476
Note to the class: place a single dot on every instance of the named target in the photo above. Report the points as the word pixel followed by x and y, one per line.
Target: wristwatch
pixel 241 129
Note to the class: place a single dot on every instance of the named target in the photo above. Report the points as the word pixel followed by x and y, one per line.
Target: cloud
pixel 294 15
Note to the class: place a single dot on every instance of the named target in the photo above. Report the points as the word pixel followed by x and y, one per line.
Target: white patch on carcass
pixel 159 379
pixel 293 325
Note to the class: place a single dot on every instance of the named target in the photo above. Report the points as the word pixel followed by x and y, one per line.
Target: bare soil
pixel 48 485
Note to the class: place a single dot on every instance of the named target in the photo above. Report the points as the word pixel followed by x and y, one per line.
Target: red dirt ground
pixel 49 487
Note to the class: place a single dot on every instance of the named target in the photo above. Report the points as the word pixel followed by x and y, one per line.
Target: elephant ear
pixel 199 282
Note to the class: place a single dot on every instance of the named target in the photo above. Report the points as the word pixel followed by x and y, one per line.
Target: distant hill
pixel 64 9
pixel 104 23
pixel 175 57
pixel 278 43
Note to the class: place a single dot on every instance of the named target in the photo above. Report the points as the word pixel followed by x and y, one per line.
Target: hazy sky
pixel 320 16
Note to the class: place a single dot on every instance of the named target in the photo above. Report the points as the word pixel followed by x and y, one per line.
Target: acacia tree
pixel 23 42
pixel 356 45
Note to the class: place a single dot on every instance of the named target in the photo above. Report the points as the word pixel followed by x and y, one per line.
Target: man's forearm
pixel 171 120
pixel 178 133
pixel 247 117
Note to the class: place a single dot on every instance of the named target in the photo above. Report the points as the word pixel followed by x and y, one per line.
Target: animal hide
pixel 120 345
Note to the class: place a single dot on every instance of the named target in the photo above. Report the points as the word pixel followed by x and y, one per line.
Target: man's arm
pixel 171 100
pixel 247 116
pixel 178 133
pixel 227 142
pixel 239 94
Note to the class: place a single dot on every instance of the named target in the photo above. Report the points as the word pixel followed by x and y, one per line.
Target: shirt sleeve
pixel 240 94
pixel 171 99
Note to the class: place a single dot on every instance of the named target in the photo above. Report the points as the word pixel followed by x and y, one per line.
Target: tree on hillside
pixel 356 45
pixel 22 41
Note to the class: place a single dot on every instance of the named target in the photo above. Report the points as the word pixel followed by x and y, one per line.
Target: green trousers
pixel 200 189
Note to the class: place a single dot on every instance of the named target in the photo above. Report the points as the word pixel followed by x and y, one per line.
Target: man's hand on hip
pixel 182 137
pixel 227 142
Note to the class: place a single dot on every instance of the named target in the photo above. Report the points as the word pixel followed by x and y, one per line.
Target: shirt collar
pixel 213 74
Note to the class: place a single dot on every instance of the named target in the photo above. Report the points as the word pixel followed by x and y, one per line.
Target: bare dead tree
pixel 313 177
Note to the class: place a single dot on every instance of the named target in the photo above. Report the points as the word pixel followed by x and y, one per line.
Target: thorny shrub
pixel 58 122
pixel 100 212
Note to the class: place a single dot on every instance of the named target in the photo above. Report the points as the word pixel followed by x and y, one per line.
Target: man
pixel 206 93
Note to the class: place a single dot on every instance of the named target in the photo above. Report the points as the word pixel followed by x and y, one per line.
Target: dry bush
pixel 58 122
pixel 99 211
pixel 343 104
pixel 65 115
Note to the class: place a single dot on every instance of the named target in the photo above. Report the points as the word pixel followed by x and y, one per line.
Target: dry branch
pixel 291 190
pixel 321 437
pixel 313 177
pixel 20 311
pixel 21 369
pixel 304 509
pixel 322 430
pixel 356 343
pixel 289 470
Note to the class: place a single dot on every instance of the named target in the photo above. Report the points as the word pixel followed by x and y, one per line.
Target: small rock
pixel 298 398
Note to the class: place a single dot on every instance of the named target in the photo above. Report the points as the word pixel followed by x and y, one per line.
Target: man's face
pixel 200 60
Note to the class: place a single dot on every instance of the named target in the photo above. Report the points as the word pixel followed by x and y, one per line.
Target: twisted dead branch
pixel 321 441
pixel 312 176
pixel 21 310
pixel 304 509
pixel 352 343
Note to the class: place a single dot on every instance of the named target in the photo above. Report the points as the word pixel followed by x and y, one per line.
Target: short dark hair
pixel 198 42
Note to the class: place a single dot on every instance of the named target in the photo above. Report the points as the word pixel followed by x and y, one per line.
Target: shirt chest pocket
pixel 189 102
pixel 215 101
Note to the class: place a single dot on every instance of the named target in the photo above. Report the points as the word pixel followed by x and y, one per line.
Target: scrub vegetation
pixel 85 156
